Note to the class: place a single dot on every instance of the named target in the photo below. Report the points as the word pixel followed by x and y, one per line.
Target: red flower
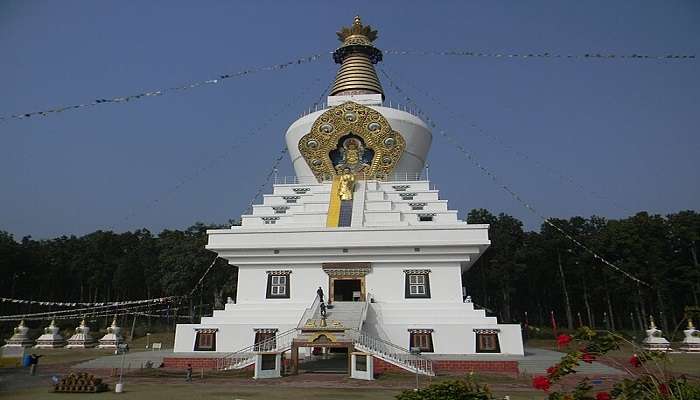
pixel 634 360
pixel 587 357
pixel 603 396
pixel 552 369
pixel 541 383
pixel 663 389
pixel 563 340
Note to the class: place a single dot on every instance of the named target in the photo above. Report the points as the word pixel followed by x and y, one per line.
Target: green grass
pixel 184 391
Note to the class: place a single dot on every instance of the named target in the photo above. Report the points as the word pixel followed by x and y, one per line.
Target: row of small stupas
pixel 52 337
pixel 655 341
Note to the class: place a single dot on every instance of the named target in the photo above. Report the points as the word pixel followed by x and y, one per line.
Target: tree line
pixel 524 275
pixel 527 275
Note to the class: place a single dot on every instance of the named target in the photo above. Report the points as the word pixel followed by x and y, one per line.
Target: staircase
pixel 246 356
pixel 345 320
pixel 392 353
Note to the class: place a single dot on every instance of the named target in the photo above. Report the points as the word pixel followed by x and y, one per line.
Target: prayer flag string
pixel 505 187
pixel 160 92
pixel 585 56
pixel 495 139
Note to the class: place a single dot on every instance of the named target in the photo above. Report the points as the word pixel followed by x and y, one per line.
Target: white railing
pixel 309 180
pixel 397 106
pixel 309 312
pixel 365 308
pixel 246 356
pixel 392 353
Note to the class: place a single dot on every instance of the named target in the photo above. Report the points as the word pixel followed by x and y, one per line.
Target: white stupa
pixel 113 337
pixel 81 339
pixel 691 342
pixel 51 338
pixel 20 338
pixel 361 221
pixel 655 340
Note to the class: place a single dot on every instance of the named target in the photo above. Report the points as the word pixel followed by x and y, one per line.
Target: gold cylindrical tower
pixel 357 57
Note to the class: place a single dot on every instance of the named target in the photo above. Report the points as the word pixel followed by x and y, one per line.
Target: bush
pixel 449 390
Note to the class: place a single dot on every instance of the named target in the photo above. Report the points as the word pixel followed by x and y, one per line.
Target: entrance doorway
pixel 332 360
pixel 347 290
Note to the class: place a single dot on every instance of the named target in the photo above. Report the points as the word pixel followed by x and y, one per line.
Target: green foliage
pixel 661 251
pixel 449 390
pixel 107 266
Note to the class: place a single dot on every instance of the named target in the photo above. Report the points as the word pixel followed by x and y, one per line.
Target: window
pixel 360 362
pixel 407 196
pixel 301 190
pixel 417 284
pixel 269 362
pixel 280 209
pixel 425 217
pixel 487 341
pixel 417 206
pixel 421 339
pixel 205 340
pixel 270 220
pixel 265 339
pixel 401 188
pixel 278 284
pixel 290 199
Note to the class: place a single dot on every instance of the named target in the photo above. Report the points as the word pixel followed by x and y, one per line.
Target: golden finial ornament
pixel 357 57
pixel 357 33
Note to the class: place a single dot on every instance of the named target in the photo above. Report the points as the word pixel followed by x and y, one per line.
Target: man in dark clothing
pixel 323 310
pixel 33 361
pixel 188 377
pixel 319 292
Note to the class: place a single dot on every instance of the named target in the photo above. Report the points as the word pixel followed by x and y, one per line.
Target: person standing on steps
pixel 319 292
pixel 323 310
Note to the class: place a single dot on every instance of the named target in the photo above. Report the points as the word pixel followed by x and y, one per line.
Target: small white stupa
pixel 81 339
pixel 51 338
pixel 113 337
pixel 691 342
pixel 655 340
pixel 20 338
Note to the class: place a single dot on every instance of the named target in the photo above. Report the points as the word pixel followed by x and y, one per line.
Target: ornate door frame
pixel 340 271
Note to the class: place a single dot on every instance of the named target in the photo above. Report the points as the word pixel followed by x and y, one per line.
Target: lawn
pixel 177 391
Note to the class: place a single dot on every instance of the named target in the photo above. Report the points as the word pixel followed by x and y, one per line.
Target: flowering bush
pixel 644 383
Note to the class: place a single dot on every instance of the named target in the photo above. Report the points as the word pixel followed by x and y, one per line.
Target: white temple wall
pixel 387 283
pixel 303 283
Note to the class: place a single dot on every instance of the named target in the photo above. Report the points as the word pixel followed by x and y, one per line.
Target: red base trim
pixel 454 366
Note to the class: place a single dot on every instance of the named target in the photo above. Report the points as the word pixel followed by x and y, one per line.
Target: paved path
pixel 134 359
pixel 536 361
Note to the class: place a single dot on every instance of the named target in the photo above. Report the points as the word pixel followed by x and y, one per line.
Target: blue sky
pixel 624 130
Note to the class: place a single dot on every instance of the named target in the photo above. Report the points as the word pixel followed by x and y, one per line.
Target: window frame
pixel 426 334
pixel 262 335
pixel 410 284
pixel 491 333
pixel 271 276
pixel 200 336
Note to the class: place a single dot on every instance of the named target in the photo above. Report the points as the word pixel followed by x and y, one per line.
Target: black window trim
pixel 490 332
pixel 407 278
pixel 268 292
pixel 205 331
pixel 429 332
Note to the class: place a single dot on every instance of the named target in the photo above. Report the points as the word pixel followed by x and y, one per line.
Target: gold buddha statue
pixel 347 185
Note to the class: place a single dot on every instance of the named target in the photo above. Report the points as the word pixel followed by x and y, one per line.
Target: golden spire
pixel 357 57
